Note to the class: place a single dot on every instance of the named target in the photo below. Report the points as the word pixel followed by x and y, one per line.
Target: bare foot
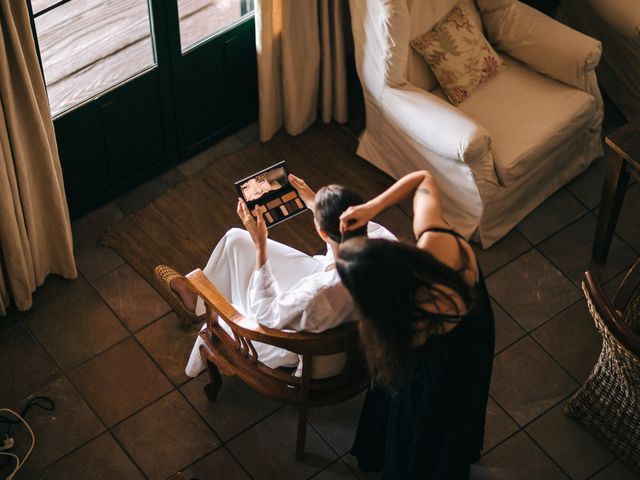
pixel 187 296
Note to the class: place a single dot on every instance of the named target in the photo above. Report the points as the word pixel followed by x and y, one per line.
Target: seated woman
pixel 428 331
pixel 283 288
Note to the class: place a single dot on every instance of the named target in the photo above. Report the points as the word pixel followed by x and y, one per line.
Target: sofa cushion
pixel 457 52
pixel 423 16
pixel 527 115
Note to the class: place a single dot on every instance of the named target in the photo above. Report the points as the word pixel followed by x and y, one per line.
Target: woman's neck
pixel 334 247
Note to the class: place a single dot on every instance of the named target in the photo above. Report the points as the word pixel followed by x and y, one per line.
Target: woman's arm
pixel 427 208
pixel 257 229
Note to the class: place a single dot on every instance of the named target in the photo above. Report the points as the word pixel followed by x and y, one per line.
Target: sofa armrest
pixel 436 124
pixel 541 42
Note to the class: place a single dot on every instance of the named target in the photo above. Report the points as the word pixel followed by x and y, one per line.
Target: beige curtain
pixel 301 64
pixel 35 234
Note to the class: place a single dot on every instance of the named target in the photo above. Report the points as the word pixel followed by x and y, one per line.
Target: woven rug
pixel 181 227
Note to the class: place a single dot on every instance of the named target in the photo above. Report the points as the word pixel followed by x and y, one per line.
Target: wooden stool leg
pixel 613 190
pixel 302 431
pixel 211 389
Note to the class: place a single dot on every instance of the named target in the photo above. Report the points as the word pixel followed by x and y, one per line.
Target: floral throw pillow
pixel 459 55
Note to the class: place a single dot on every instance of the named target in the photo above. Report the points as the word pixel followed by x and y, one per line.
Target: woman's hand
pixel 356 217
pixel 257 230
pixel 307 195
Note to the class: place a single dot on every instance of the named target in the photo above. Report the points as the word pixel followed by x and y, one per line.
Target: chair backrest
pixel 608 320
pixel 241 358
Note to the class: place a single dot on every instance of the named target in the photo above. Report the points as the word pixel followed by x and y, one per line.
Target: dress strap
pixel 457 236
pixel 450 231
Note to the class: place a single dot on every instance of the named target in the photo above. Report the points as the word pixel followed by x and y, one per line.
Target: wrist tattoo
pixel 423 190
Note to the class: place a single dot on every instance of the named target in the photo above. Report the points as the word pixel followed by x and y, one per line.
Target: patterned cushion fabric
pixel 457 52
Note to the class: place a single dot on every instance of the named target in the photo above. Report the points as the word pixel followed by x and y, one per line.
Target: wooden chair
pixel 235 355
pixel 609 401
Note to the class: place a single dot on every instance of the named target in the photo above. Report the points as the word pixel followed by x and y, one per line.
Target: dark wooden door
pixel 128 102
pixel 215 73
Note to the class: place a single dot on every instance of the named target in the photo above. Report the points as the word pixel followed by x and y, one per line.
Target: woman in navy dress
pixel 428 333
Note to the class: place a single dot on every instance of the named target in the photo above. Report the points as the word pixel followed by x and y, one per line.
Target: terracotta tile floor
pixel 109 351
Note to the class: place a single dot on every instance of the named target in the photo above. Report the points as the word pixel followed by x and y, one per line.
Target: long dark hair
pixel 329 204
pixel 388 282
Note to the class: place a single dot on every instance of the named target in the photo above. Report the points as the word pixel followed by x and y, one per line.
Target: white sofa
pixel 616 23
pixel 519 136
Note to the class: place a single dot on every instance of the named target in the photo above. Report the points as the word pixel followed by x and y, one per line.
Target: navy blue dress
pixel 432 427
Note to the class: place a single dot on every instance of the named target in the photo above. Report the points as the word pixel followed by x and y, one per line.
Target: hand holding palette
pixel 270 192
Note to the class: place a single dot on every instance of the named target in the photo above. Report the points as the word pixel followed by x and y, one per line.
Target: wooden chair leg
pixel 613 190
pixel 211 389
pixel 302 431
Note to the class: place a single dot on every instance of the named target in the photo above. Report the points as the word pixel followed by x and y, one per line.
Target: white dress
pixel 291 291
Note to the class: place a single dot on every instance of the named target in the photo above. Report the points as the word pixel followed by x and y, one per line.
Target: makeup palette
pixel 270 192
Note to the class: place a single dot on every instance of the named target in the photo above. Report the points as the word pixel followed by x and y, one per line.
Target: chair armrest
pixel 542 43
pixel 328 342
pixel 436 124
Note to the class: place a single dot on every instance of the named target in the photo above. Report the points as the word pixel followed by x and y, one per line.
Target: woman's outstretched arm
pixel 427 208
pixel 257 230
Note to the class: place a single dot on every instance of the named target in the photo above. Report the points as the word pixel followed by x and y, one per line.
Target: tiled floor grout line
pixel 106 431
pixel 324 469
pixel 566 187
pixel 222 446
pixel 109 429
pixel 104 300
pixel 555 232
pixel 546 454
pixel 325 440
pixel 237 460
pixel 509 262
pixel 121 445
pixel 356 474
pixel 558 364
pixel 617 272
pixel 128 455
pixel 505 439
pixel 529 423
pixel 101 276
pixel 615 458
pixel 633 249
pixel 242 431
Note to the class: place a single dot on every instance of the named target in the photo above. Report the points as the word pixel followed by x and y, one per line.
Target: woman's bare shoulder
pixel 448 249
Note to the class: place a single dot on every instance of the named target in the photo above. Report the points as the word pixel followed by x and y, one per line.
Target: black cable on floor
pixel 41 401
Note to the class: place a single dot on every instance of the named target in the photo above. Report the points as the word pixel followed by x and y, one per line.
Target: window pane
pixel 88 46
pixel 200 19
pixel 39 5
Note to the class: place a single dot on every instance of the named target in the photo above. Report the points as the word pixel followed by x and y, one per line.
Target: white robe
pixel 291 291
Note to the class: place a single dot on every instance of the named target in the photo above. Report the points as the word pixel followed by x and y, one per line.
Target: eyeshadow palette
pixel 270 192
